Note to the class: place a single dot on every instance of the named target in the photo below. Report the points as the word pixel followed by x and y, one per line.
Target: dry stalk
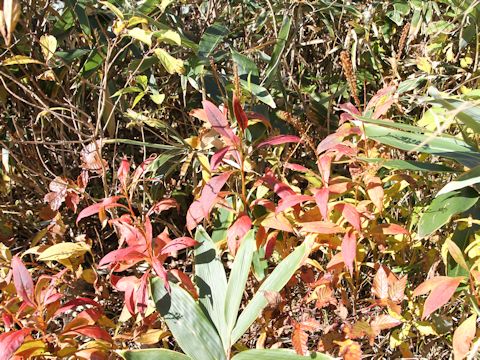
pixel 350 75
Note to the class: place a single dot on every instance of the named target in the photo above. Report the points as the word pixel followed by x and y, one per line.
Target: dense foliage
pixel 241 179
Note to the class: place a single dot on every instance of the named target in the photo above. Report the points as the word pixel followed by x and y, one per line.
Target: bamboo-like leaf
pixel 210 39
pixel 275 282
pixel 468 178
pixel 191 328
pixel 444 207
pixel 152 354
pixel 238 279
pixel 211 280
pixel 277 354
pixel 277 51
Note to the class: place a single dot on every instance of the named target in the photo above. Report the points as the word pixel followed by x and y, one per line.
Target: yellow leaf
pixel 152 336
pixel 425 328
pixel 64 251
pixel 171 64
pixel 113 9
pixel 20 60
pixel 141 35
pixel 424 65
pixel 49 46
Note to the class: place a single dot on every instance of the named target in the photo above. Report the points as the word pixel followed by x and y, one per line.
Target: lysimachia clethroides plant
pixel 208 328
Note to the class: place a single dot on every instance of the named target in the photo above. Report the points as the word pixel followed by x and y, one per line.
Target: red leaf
pixel 237 231
pixel 351 214
pixel 178 244
pixel 329 142
pixel 219 123
pixel 441 290
pixel 95 208
pixel 393 229
pixel 92 331
pixel 161 272
pixel 349 250
pixel 141 295
pixel 240 115
pixel 280 188
pixel 321 227
pixel 23 281
pixel 463 336
pixel 11 341
pixel 280 139
pixel 217 158
pixel 126 284
pixel 292 200
pixel 200 208
pixel 321 197
pixel 299 340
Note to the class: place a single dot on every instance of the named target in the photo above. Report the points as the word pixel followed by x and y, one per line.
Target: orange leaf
pixel 375 191
pixel 380 284
pixel 299 340
pixel 463 336
pixel 350 350
pixel 349 250
pixel 350 214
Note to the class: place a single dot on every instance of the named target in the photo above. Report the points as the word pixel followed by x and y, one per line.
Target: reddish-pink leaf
pixel 178 244
pixel 240 115
pixel 380 284
pixel 279 140
pixel 237 231
pixel 164 205
pixel 310 325
pixel 321 227
pixel 349 250
pixel 161 272
pixel 130 254
pixel 95 208
pixel 199 114
pixel 382 101
pixel 383 322
pixel 329 142
pixel 321 198
pixel 217 158
pixel 280 188
pixel 350 112
pixel 350 214
pixel 297 167
pixel 393 229
pixel 126 284
pixel 23 281
pixel 92 331
pixel 220 124
pixel 72 304
pixel 292 200
pixel 441 290
pixel 200 208
pixel 141 295
pixel 463 336
pixel 123 172
pixel 11 341
pixel 324 164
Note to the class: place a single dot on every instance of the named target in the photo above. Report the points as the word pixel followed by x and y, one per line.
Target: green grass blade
pixel 277 354
pixel 238 278
pixel 275 282
pixel 211 281
pixel 152 354
pixel 190 327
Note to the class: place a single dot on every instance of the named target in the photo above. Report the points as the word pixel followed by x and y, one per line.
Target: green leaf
pixel 443 207
pixel 278 50
pixel 247 69
pixel 171 64
pixel 210 40
pixel 211 280
pixel 444 146
pixel 192 330
pixel 464 111
pixel 259 92
pixel 468 178
pixel 275 282
pixel 152 354
pixel 113 9
pixel 277 354
pixel 93 62
pixel 238 279
pixel 138 98
pixel 71 55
